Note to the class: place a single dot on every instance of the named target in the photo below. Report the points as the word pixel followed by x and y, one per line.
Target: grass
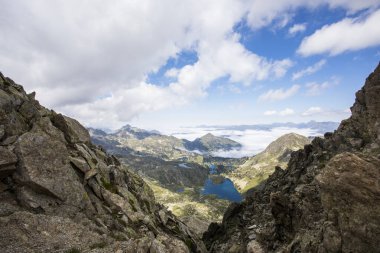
pixel 109 186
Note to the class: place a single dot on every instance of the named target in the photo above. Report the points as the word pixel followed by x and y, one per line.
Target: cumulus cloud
pixel 309 70
pixel 349 34
pixel 91 60
pixel 76 53
pixel 279 94
pixel 297 28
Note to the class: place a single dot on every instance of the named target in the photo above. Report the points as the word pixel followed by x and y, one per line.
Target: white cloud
pixel 312 111
pixel 279 94
pixel 349 34
pixel 74 53
pixel 253 141
pixel 91 60
pixel 314 89
pixel 285 112
pixel 262 13
pixel 317 112
pixel 297 28
pixel 270 113
pixel 309 70
pixel 173 72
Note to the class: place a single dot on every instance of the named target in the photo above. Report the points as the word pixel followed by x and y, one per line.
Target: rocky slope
pixel 328 200
pixel 257 168
pixel 61 193
pixel 170 174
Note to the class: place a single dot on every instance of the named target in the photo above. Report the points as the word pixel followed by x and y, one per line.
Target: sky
pixel 165 64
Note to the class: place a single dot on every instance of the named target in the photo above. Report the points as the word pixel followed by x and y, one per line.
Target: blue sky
pixel 233 103
pixel 165 65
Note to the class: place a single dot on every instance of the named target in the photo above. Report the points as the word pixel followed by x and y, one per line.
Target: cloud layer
pixel 91 60
pixel 347 35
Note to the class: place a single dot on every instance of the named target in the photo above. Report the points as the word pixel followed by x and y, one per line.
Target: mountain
pixel 61 193
pixel 142 142
pixel 257 168
pixel 327 200
pixel 128 131
pixel 210 142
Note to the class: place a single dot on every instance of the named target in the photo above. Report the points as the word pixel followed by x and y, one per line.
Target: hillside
pixel 326 201
pixel 131 140
pixel 210 142
pixel 257 168
pixel 61 193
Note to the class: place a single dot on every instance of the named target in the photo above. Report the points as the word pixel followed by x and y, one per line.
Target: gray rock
pixel 7 162
pixel 46 207
pixel 73 131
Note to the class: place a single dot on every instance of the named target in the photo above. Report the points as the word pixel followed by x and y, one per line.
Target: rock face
pixel 328 200
pixel 61 193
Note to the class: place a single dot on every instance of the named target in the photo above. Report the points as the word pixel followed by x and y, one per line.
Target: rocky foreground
pixel 61 193
pixel 328 200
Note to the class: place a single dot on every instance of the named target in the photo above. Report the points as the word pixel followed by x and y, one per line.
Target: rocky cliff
pixel 328 200
pixel 61 193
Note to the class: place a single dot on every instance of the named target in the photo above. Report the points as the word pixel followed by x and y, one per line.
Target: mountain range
pixel 59 192
pixel 129 140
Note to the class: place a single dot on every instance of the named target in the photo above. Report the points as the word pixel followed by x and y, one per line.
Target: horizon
pixel 167 65
pixel 253 138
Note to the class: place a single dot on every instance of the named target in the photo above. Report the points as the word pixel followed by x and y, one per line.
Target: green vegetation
pixel 109 186
pixel 258 168
pixel 190 202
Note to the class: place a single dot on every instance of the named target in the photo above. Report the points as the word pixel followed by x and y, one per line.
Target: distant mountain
pixel 259 167
pixel 129 140
pixel 319 127
pixel 128 131
pixel 210 142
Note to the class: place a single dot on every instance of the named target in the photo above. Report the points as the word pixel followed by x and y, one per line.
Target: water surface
pixel 223 190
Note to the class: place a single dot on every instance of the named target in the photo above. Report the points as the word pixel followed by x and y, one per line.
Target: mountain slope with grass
pixel 257 168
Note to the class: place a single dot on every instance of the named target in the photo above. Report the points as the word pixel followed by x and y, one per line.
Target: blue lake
pixel 224 190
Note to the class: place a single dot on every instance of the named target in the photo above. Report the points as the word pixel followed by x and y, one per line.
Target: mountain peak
pixel 208 135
